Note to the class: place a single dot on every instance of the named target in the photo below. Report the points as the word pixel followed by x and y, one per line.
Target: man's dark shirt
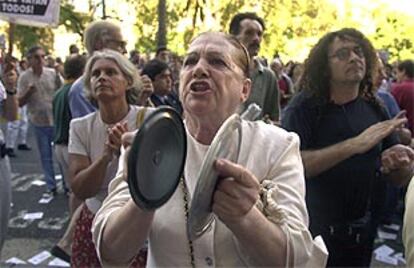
pixel 170 100
pixel 342 193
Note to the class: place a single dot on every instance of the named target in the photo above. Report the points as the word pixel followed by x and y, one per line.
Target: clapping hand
pixel 397 157
pixel 146 91
pixel 114 141
pixel 377 132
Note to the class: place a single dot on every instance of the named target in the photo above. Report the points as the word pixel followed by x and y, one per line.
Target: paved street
pixel 30 237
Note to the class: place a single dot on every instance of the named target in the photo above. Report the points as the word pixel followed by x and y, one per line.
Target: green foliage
pixel 395 34
pixel 25 36
pixel 146 25
pixel 292 26
pixel 73 21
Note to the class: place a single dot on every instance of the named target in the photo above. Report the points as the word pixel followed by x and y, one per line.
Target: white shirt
pixel 270 153
pixel 3 97
pixel 87 137
pixel 39 104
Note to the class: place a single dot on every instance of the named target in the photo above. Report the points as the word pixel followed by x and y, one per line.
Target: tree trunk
pixel 162 24
pixel 104 10
pixel 11 38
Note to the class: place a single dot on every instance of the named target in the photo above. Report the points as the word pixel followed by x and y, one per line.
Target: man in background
pixel 160 74
pixel 344 134
pixel 248 28
pixel 163 54
pixel 36 87
pixel 98 35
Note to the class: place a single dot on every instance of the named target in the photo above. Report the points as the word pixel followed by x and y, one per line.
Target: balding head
pixel 103 34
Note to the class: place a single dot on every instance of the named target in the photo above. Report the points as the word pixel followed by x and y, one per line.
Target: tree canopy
pixel 74 22
pixel 292 26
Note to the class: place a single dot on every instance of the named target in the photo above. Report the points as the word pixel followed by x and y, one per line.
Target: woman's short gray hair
pixel 127 68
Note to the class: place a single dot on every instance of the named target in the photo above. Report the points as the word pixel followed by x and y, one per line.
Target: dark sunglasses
pixel 345 52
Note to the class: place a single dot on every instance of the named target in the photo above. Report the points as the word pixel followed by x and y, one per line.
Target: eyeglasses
pixel 119 43
pixel 345 52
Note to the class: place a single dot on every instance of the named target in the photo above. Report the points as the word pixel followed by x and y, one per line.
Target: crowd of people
pixel 319 170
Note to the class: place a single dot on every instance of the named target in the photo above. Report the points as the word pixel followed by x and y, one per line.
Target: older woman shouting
pixel 94 141
pixel 213 83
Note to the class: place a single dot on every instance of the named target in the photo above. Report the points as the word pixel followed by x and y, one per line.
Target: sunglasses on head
pixel 345 52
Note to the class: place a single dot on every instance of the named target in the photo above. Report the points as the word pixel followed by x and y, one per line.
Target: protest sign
pixel 38 13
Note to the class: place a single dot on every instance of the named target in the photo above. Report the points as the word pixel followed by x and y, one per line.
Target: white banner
pixel 39 13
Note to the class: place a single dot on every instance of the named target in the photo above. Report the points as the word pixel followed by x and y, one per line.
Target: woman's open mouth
pixel 199 86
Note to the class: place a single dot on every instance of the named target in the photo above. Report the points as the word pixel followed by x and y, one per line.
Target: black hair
pixel 73 49
pixel 407 66
pixel 316 74
pixel 234 28
pixel 160 49
pixel 153 68
pixel 32 50
pixel 74 66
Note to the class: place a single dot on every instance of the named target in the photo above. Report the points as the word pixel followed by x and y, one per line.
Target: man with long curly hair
pixel 344 133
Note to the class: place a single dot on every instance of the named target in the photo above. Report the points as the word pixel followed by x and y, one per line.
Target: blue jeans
pixel 44 138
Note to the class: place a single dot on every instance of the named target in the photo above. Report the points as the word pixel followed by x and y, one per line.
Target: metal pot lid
pixel 156 159
pixel 226 144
